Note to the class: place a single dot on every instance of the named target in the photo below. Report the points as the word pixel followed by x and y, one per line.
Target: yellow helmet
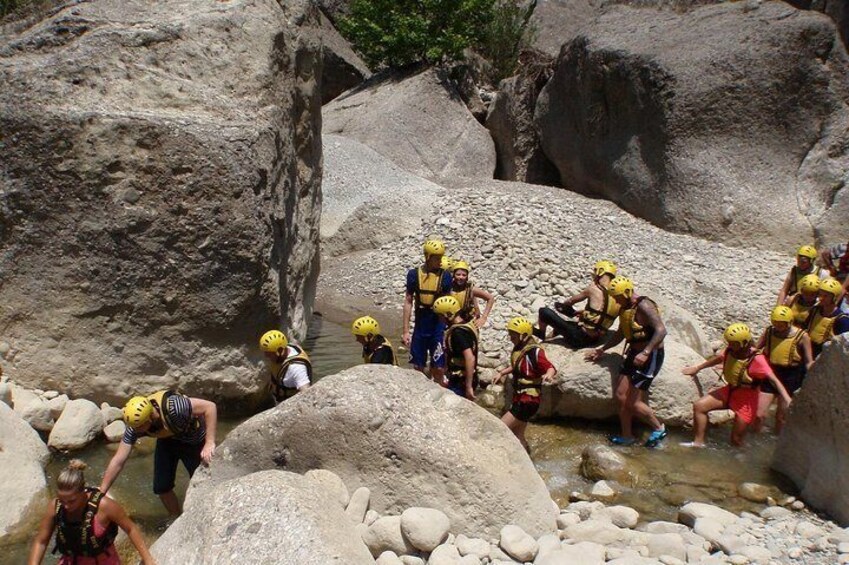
pixel 459 264
pixel 831 286
pixel 446 306
pixel 433 247
pixel 365 326
pixel 137 411
pixel 621 286
pixel 781 314
pixel 521 326
pixel 446 263
pixel 273 341
pixel 807 251
pixel 602 268
pixel 809 283
pixel 737 332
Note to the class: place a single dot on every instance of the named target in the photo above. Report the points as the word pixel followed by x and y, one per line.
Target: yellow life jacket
pixel 783 351
pixel 634 332
pixel 735 371
pixel 600 320
pixel 456 359
pixel 429 287
pixel 166 427
pixel 522 383
pixel 278 372
pixel 796 275
pixel 820 327
pixel 466 299
pixel 801 312
pixel 383 343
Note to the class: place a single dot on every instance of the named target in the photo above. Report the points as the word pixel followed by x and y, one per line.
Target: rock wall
pixel 159 192
pixel 739 138
pixel 837 10
pixel 813 450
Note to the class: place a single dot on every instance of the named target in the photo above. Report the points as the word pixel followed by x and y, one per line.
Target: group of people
pixel 444 306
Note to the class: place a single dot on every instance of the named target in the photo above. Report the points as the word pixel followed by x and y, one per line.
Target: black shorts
pixel 642 377
pixel 523 411
pixel 168 453
pixel 790 377
pixel 572 332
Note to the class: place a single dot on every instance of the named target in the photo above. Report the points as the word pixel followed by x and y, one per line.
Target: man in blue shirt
pixel 424 285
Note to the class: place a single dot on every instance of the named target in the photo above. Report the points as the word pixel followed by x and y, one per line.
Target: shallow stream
pixel 664 478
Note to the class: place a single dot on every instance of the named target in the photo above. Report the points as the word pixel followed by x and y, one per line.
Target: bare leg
pixel 764 401
pixel 738 432
pixel 625 406
pixel 701 408
pixel 780 415
pixel 437 374
pixel 517 427
pixel 171 503
pixel 640 408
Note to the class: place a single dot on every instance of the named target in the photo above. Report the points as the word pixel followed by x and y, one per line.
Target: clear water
pixel 667 476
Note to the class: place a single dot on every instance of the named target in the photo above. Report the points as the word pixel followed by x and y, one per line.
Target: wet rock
pixel 425 528
pixel 385 535
pixel 518 544
pixel 600 462
pixel 603 489
pixel 79 424
pixel 754 492
pixel 331 483
pixel 308 527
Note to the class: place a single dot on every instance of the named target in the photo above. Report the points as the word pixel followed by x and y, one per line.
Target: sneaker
pixel 656 437
pixel 619 440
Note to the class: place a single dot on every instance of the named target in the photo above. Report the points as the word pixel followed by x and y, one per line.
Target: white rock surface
pixel 331 482
pixel 689 513
pixel 32 408
pixel 358 505
pixel 518 544
pixel 115 431
pixel 425 528
pixel 385 535
pixel 80 423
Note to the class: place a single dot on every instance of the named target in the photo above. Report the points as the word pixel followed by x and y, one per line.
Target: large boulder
pixel 267 517
pixel 419 122
pixel 32 408
pixel 813 449
pixel 741 137
pixel 585 390
pixel 367 199
pixel 411 442
pixel 341 68
pixel 80 423
pixel 160 192
pixel 837 10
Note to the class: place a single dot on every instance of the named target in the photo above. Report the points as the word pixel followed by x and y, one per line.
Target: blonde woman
pixel 86 523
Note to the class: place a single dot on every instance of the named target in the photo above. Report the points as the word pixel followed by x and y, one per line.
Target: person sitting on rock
pixel 804 301
pixel 376 348
pixel 826 320
pixel 743 367
pixel 643 330
pixel 424 285
pixel 593 321
pixel 467 294
pixel 788 351
pixel 461 347
pixel 184 429
pixel 805 257
pixel 289 365
pixel 530 369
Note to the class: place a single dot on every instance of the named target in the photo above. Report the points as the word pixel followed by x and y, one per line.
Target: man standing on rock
pixel 424 285
pixel 461 347
pixel 593 321
pixel 643 330
pixel 184 429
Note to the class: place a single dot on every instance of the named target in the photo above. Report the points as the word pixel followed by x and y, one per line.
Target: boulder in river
pixel 411 442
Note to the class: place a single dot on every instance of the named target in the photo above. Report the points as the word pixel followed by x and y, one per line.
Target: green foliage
pixel 508 33
pixel 396 33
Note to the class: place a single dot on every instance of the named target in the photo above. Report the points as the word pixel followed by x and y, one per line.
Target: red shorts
pixel 743 401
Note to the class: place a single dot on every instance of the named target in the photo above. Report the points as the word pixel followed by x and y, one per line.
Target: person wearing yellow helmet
pixel 804 301
pixel 467 294
pixel 806 257
pixel 593 321
pixel 376 348
pixel 788 352
pixel 461 347
pixel 743 367
pixel 424 285
pixel 288 364
pixel 836 259
pixel 826 319
pixel 184 429
pixel 530 369
pixel 643 330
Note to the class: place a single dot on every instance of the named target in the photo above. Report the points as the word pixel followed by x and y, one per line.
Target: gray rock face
pixel 809 451
pixel 22 458
pixel 419 122
pixel 341 67
pixel 585 390
pixel 267 517
pixel 160 192
pixel 367 199
pixel 400 435
pixel 739 138
pixel 837 10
